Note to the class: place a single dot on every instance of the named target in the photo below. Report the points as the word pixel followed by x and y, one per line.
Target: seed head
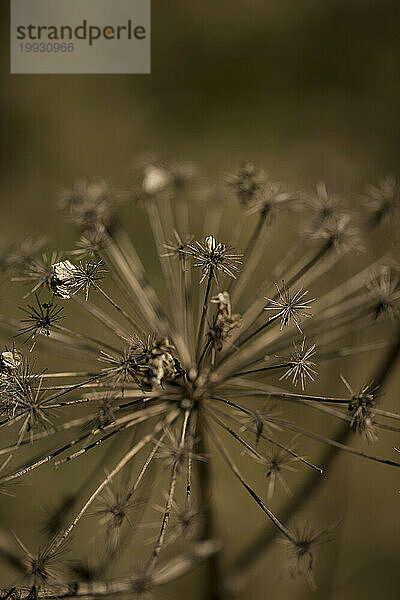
pixel 324 205
pixel 340 232
pixel 385 288
pixel 176 248
pixel 89 204
pixel 40 319
pixel 383 199
pixel 149 363
pixel 91 243
pixel 301 367
pixel 246 182
pixel 69 279
pixel 271 198
pixel 212 256
pixel 301 551
pixel 289 307
pixel 258 421
pixel 275 464
pixel 361 408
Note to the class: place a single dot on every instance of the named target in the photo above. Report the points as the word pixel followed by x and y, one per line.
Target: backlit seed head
pixel 155 180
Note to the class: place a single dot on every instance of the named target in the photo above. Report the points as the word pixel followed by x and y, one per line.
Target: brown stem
pixel 213 583
pixel 204 311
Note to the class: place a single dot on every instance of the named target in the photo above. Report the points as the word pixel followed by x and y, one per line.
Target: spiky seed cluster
pixel 213 256
pixel 289 307
pixel 10 362
pixel 301 367
pixel 156 363
pixel 259 421
pixel 181 374
pixel 361 409
pixel 91 243
pixel 40 319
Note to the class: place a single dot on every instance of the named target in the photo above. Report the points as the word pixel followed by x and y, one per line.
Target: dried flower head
pixel 246 182
pixel 385 289
pixel 213 256
pixel 324 205
pixel 275 464
pixel 89 205
pixel 91 243
pixel 258 421
pixel 361 408
pixel 383 199
pixel 271 198
pixel 176 248
pixel 40 320
pixel 301 551
pixel 339 233
pixel 289 307
pixel 301 367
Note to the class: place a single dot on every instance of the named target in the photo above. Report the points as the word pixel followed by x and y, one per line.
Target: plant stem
pixel 213 587
pixel 204 311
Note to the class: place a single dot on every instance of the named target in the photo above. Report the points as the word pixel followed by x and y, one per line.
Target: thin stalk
pixel 86 338
pixel 252 254
pixel 203 317
pixel 277 522
pixel 213 582
pixel 115 305
pixel 60 539
pixel 170 499
pixel 263 369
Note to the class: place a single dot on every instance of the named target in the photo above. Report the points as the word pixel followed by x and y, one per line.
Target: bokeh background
pixel 309 90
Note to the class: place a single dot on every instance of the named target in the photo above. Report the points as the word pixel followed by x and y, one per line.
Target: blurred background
pixel 308 90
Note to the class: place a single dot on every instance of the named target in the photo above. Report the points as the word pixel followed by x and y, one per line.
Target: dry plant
pixel 203 361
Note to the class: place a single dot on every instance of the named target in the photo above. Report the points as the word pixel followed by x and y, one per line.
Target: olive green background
pixel 310 90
